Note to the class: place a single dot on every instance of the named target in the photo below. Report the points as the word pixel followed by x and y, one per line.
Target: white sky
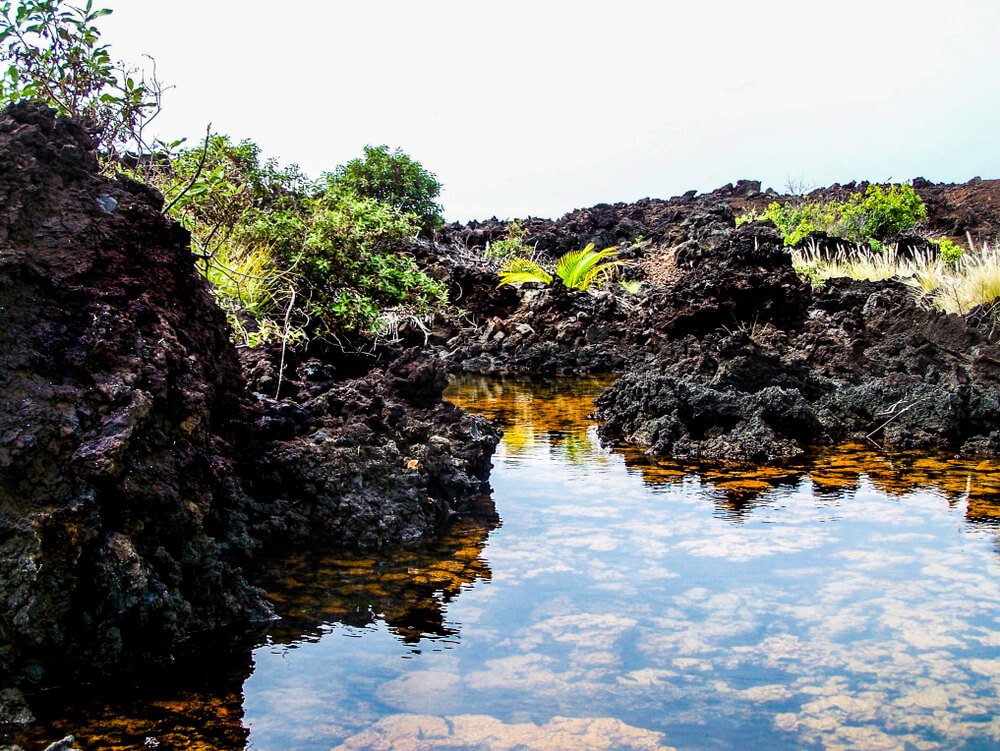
pixel 537 108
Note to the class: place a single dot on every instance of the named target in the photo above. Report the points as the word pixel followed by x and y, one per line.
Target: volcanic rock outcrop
pixel 727 354
pixel 120 516
pixel 139 476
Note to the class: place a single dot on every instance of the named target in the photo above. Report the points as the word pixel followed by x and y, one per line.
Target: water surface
pixel 850 600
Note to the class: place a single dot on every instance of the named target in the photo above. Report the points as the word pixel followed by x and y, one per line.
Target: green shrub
pixel 50 52
pixel 348 250
pixel 511 245
pixel 948 250
pixel 880 214
pixel 797 221
pixel 392 178
pixel 870 217
pixel 268 239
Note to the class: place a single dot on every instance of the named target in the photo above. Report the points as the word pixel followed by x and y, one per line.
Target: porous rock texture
pixel 139 475
pixel 726 353
pixel 362 462
pixel 120 516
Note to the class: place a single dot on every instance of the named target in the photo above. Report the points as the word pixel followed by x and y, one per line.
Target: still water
pixel 849 601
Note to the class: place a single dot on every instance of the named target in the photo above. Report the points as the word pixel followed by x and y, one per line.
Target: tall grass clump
pixel 951 284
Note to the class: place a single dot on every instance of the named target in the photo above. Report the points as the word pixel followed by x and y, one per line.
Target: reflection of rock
pixel 426 733
pixel 530 411
pixel 739 488
pixel 408 588
pixel 197 705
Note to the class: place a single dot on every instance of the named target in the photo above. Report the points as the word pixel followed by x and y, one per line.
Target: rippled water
pixel 846 601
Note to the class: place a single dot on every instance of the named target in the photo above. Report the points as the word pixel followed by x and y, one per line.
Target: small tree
pixel 50 53
pixel 392 178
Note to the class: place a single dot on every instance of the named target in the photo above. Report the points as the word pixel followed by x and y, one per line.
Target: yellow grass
pixel 954 288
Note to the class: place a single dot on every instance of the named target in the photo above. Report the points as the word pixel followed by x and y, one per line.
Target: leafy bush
pixel 948 250
pixel 578 269
pixel 330 261
pixel 880 214
pixel 352 261
pixel 797 222
pixel 511 245
pixel 870 217
pixel 52 54
pixel 394 179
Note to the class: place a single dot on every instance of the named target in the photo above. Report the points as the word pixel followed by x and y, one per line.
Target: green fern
pixel 578 269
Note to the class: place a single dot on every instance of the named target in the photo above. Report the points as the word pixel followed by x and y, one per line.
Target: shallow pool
pixel 851 600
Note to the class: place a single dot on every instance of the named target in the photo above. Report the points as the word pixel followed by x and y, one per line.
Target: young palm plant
pixel 518 270
pixel 578 269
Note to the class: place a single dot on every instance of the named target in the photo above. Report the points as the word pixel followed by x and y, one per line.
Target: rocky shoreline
pixel 147 466
pixel 140 470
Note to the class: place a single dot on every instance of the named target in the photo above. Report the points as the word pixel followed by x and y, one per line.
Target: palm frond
pixel 521 270
pixel 579 269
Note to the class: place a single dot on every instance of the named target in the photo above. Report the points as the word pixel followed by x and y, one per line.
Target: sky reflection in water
pixel 845 602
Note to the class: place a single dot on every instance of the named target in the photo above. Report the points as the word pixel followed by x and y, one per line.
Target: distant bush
pixel 870 217
pixel 948 250
pixel 511 245
pixel 394 179
pixel 350 251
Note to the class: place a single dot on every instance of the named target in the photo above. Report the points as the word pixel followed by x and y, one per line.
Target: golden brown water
pixel 847 600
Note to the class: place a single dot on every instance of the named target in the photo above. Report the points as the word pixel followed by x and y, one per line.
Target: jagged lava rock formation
pixel 129 439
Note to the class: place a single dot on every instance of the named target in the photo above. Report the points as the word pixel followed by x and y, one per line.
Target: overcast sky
pixel 536 108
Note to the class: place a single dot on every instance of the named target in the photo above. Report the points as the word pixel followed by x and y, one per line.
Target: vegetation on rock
pixel 578 269
pixel 50 52
pixel 286 256
pixel 394 179
pixel 869 217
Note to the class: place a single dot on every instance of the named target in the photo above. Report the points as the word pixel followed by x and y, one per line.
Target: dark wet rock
pixel 367 462
pixel 14 709
pixel 129 439
pixel 727 353
pixel 866 362
pixel 119 510
pixel 745 281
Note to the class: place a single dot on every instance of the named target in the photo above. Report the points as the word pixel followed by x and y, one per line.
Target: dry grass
pixel 954 288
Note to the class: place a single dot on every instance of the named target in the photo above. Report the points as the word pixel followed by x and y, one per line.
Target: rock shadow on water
pixel 199 703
